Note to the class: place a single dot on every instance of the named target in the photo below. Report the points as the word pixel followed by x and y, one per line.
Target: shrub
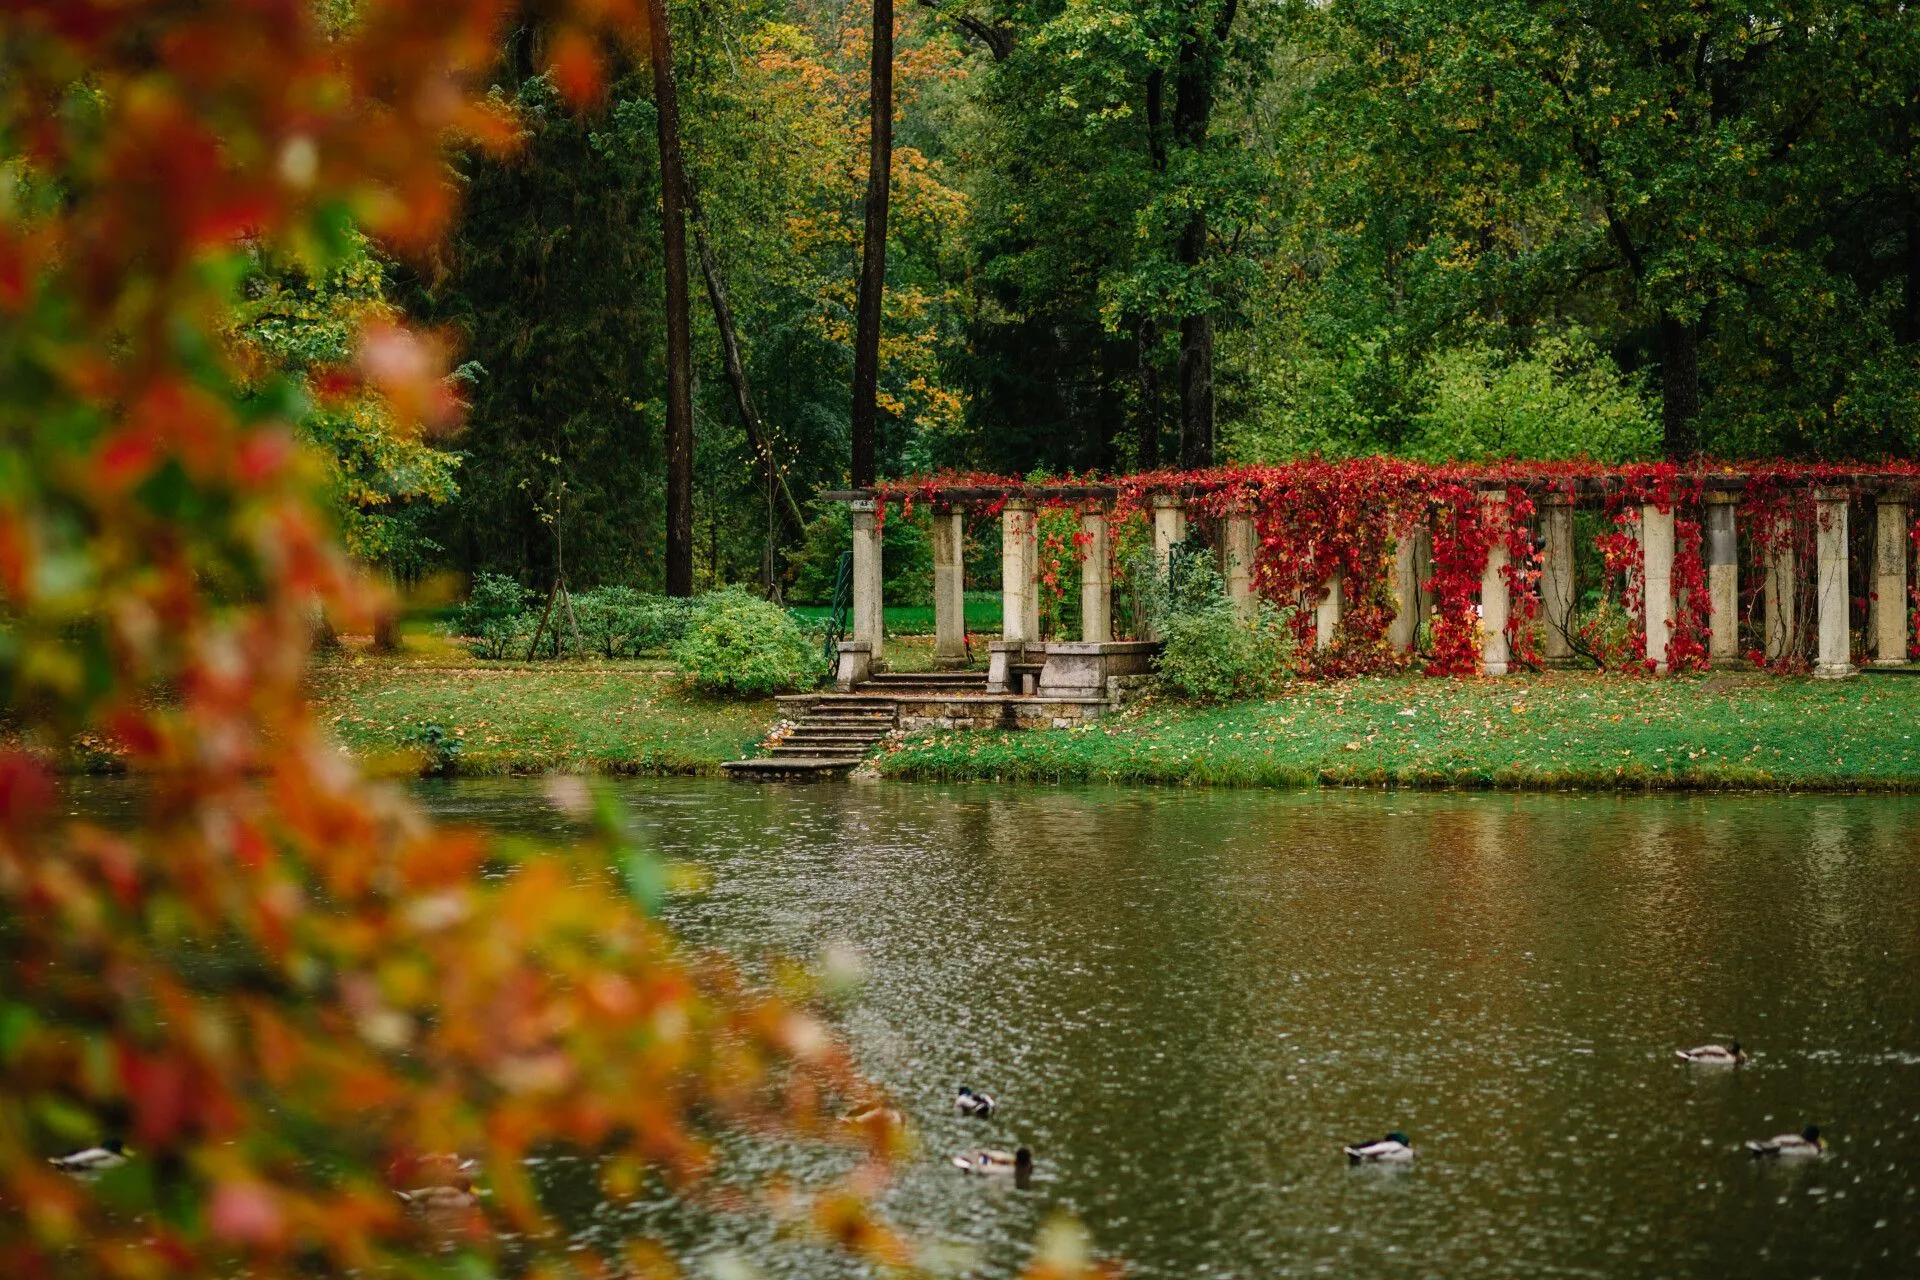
pixel 619 622
pixel 494 616
pixel 1212 655
pixel 742 646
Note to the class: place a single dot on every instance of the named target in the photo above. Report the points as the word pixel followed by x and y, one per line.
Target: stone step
pixel 816 751
pixel 799 736
pixel 793 767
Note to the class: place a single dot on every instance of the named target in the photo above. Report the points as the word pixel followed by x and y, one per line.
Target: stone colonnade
pixel 1020 594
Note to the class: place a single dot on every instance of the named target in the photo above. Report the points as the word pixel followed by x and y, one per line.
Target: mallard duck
pixel 110 1154
pixel 1020 1163
pixel 875 1113
pixel 1714 1055
pixel 1395 1148
pixel 1807 1142
pixel 969 1103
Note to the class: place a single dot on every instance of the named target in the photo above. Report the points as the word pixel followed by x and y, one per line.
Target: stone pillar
pixel 1406 593
pixel 1494 650
pixel 949 589
pixel 868 621
pixel 1096 587
pixel 1019 568
pixel 1656 576
pixel 1169 527
pixel 1239 566
pixel 1834 659
pixel 1556 576
pixel 1890 580
pixel 1326 614
pixel 1723 577
pixel 1783 623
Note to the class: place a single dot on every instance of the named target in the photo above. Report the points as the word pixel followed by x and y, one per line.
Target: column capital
pixel 1168 502
pixel 863 506
pixel 1556 498
pixel 1017 504
pixel 1829 494
pixel 1720 498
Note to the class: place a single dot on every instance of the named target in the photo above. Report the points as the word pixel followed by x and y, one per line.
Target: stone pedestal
pixel 1722 554
pixel 1890 581
pixel 949 589
pixel 856 665
pixel 1019 573
pixel 1406 594
pixel 1326 614
pixel 1495 652
pixel 1096 587
pixel 1081 669
pixel 1556 577
pixel 1239 562
pixel 868 620
pixel 1834 659
pixel 1656 569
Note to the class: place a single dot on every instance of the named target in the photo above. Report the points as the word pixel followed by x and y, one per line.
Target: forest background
pixel 1130 233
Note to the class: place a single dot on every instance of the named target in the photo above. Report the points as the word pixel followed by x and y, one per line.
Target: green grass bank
pixel 1558 730
pixel 607 717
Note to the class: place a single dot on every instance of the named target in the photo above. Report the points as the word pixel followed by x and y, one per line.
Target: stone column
pixel 1406 593
pixel 1556 576
pixel 1326 614
pixel 1494 650
pixel 1723 577
pixel 1169 527
pixel 1890 580
pixel 1656 576
pixel 868 623
pixel 1096 587
pixel 1834 659
pixel 1239 566
pixel 1019 567
pixel 949 589
pixel 1783 624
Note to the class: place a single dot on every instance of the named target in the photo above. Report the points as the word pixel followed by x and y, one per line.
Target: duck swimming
pixel 110 1154
pixel 1020 1163
pixel 1395 1148
pixel 1714 1055
pixel 969 1103
pixel 1807 1142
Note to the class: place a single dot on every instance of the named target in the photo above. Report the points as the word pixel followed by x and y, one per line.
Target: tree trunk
pixel 873 257
pixel 1679 386
pixel 1147 448
pixel 788 511
pixel 673 229
pixel 1197 62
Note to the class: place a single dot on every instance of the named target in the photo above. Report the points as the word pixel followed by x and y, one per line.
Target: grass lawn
pixel 1545 731
pixel 606 717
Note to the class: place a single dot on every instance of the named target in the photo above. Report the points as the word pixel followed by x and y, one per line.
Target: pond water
pixel 1186 1002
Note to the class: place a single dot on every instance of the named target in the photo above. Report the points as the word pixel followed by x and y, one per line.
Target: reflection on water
pixel 1186 1002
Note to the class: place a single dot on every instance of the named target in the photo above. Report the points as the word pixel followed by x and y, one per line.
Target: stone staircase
pixel 925 682
pixel 826 742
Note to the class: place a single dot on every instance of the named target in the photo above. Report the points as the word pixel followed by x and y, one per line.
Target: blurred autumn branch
pixel 284 987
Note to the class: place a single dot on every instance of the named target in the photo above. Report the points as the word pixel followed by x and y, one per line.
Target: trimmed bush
pixel 1211 655
pixel 494 615
pixel 742 646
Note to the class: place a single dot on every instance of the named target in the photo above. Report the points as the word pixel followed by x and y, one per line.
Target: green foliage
pixel 1211 654
pixel 619 622
pixel 906 557
pixel 494 616
pixel 742 646
pixel 1563 399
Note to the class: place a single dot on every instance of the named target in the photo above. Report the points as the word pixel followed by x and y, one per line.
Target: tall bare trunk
pixel 1198 62
pixel 673 229
pixel 1679 386
pixel 873 257
pixel 778 494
